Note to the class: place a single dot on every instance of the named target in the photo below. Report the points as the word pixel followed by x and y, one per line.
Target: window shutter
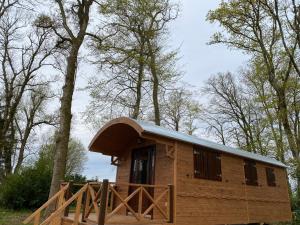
pixel 199 164
pixel 254 173
pixel 247 172
pixel 204 164
pixel 271 180
pixel 211 167
pixel 207 164
pixel 250 172
pixel 218 167
pixel 214 165
pixel 196 163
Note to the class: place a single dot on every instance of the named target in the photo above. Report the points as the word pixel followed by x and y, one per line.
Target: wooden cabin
pixel 213 183
pixel 164 176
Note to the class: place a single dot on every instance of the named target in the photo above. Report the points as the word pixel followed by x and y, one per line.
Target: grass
pixel 10 217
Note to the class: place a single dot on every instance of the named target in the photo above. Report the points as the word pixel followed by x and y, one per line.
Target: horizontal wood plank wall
pixel 208 202
pixel 123 176
pixel 163 175
pixel 269 204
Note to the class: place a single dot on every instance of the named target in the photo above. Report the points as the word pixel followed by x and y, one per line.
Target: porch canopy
pixel 118 134
pixel 115 136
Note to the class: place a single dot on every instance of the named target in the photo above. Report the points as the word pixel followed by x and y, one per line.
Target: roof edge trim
pixel 121 120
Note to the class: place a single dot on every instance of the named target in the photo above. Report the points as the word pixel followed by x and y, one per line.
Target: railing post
pixel 103 200
pixel 171 203
pixel 140 206
pixel 85 203
pixel 67 196
pixel 111 194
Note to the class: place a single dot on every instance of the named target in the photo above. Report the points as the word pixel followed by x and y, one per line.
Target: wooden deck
pixel 115 220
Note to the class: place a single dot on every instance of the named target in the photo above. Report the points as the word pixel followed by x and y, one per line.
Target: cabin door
pixel 142 172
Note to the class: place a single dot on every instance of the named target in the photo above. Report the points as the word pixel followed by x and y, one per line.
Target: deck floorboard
pixel 116 220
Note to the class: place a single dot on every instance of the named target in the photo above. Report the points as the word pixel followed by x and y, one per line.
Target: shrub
pixel 27 189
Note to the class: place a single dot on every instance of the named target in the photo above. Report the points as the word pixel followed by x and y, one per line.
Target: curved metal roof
pixel 148 127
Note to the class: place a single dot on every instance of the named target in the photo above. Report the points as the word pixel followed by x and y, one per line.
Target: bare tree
pixel 31 114
pixel 5 5
pixel 228 99
pixel 22 57
pixel 181 111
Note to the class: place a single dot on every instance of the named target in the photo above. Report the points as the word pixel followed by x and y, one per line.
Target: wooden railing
pixel 63 200
pixel 140 192
pixel 104 200
pixel 58 198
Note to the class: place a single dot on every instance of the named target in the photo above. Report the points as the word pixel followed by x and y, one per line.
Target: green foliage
pixel 27 189
pixel 295 209
pixel 76 155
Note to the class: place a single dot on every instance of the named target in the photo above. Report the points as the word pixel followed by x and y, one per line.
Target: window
pixel 271 180
pixel 207 164
pixel 250 172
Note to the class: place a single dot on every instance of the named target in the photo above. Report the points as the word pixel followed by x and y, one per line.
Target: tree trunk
pixel 136 110
pixel 63 135
pixel 283 116
pixel 7 160
pixel 153 69
pixel 155 99
pixel 177 125
pixel 8 147
pixel 22 149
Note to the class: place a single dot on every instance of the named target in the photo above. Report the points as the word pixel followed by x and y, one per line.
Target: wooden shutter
pixel 205 161
pixel 218 167
pixel 271 180
pixel 247 172
pixel 250 172
pixel 214 165
pixel 199 164
pixel 207 164
pixel 254 173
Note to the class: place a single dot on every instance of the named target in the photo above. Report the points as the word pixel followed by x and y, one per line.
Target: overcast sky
pixel 191 32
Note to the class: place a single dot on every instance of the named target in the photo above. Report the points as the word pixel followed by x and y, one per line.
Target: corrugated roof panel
pixel 154 129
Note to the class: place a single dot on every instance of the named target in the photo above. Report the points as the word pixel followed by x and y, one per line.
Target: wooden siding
pixel 230 201
pixel 163 174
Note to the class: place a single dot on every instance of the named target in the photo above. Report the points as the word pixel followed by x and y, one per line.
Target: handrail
pixel 45 205
pixel 93 183
pixel 138 185
pixel 66 204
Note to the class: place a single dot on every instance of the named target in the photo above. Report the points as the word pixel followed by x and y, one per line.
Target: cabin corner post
pixel 103 200
pixel 171 203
